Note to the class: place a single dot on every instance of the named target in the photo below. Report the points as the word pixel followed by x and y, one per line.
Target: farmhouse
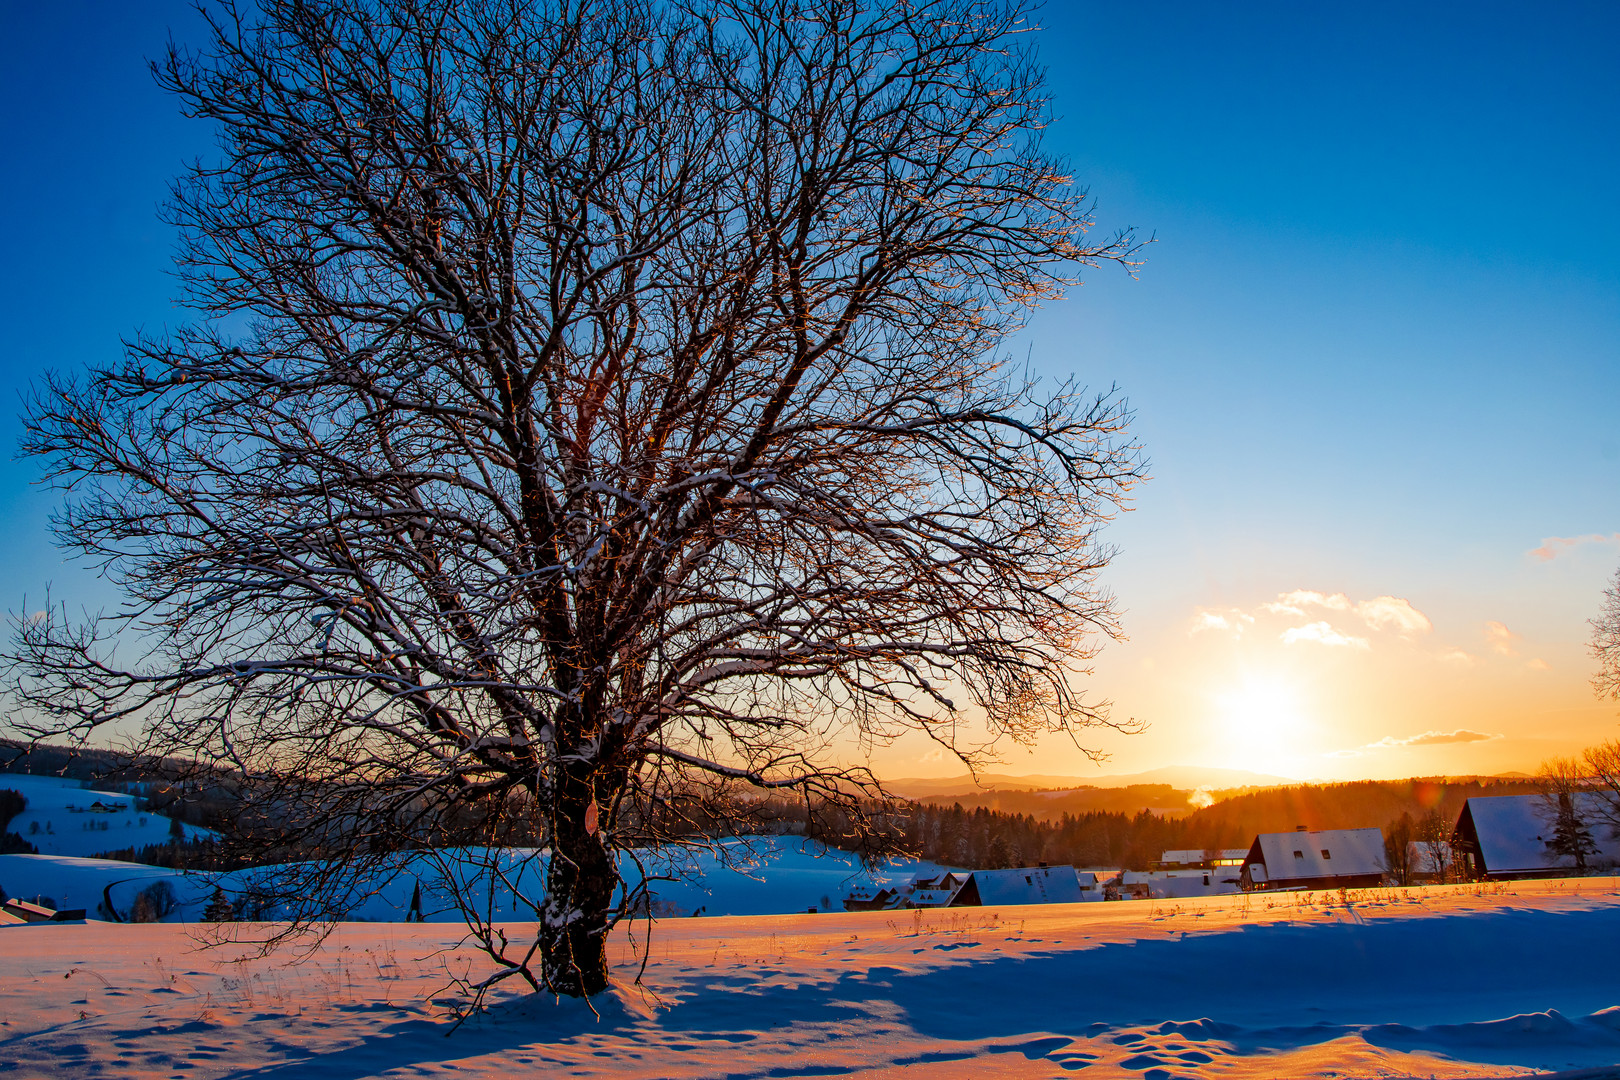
pixel 1330 859
pixel 1510 836
pixel 21 911
pixel 868 898
pixel 1024 885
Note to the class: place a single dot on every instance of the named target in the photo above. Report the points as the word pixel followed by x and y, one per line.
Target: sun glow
pixel 1261 723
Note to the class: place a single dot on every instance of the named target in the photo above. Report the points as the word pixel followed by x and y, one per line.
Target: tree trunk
pixel 580 883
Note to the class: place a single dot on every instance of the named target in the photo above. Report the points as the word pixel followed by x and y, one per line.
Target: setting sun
pixel 1261 721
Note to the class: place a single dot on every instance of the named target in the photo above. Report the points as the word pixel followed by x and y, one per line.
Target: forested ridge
pixel 981 838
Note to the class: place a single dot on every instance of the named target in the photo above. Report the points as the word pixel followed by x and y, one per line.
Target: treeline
pixel 1049 805
pixel 983 839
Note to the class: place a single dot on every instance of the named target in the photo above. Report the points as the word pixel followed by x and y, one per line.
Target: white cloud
pixel 1538 664
pixel 1323 634
pixel 1554 546
pixel 1380 613
pixel 1500 638
pixel 1228 620
pixel 1301 600
pixel 1461 735
pixel 1458 657
pixel 1433 738
pixel 1427 738
pixel 1394 613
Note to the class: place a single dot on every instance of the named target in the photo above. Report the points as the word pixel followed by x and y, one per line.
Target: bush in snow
pixel 153 903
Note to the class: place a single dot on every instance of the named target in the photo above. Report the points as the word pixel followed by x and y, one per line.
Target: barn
pixel 1328 859
pixel 1509 836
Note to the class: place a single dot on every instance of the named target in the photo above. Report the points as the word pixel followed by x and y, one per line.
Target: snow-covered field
pixel 1460 981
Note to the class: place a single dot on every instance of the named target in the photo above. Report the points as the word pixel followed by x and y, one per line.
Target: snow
pixel 757 876
pixel 1454 981
pixel 59 820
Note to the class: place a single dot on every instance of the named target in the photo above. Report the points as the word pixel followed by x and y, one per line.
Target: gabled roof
pixel 1513 831
pixel 1028 885
pixel 1301 856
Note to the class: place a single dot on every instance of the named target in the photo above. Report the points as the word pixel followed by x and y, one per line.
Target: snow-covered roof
pixel 1513 831
pixel 1190 856
pixel 1299 856
pixel 1028 885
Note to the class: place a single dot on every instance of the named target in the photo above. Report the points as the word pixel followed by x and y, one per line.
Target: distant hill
pixel 1184 777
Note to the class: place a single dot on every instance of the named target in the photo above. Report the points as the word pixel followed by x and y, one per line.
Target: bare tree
pixel 1398 841
pixel 1605 643
pixel 591 405
pixel 1601 766
pixel 1432 833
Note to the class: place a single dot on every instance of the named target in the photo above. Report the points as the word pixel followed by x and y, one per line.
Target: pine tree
pixel 1570 836
pixel 220 908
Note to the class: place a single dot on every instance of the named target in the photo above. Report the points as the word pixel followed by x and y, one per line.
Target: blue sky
pixel 1374 352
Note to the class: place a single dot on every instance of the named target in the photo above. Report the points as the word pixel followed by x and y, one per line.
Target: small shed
pixel 1023 885
pixel 1328 859
pixel 1509 836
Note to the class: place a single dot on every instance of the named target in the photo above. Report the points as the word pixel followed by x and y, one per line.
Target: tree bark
pixel 581 879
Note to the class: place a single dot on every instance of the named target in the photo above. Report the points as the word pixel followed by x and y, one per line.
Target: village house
pixel 17 912
pixel 1328 859
pixel 1511 836
pixel 1024 885
pixel 1201 859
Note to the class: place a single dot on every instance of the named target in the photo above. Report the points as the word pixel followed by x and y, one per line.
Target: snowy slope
pixel 761 876
pixel 59 820
pixel 1442 982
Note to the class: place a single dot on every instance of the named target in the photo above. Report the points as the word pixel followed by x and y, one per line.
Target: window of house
pixel 1325 854
pixel 1299 854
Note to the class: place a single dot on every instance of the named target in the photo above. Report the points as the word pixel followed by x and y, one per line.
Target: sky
pixel 1374 356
